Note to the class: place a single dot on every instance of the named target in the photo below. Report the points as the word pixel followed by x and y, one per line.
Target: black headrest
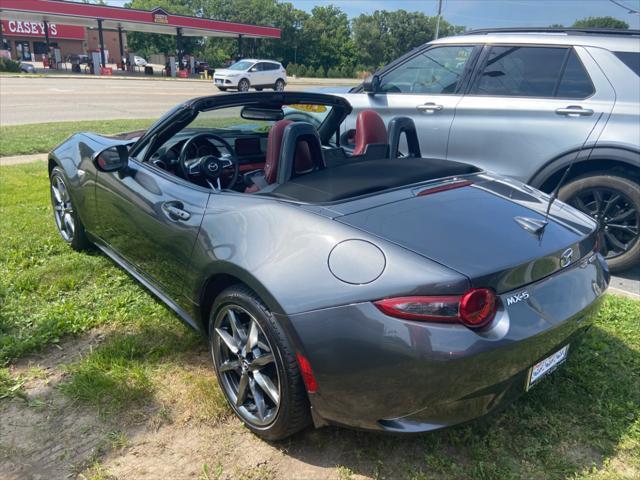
pixel 397 126
pixel 294 134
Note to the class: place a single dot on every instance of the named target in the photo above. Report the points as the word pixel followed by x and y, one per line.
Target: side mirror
pixel 371 84
pixel 253 69
pixel 112 159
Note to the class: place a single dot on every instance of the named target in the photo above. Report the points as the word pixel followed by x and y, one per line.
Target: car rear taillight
pixel 478 307
pixel 475 309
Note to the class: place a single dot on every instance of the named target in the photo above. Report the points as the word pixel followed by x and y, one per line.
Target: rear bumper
pixel 380 373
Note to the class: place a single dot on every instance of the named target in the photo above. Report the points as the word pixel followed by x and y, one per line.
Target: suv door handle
pixel 175 212
pixel 429 107
pixel 576 110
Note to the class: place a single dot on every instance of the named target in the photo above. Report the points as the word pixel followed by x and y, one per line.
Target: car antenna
pixel 554 194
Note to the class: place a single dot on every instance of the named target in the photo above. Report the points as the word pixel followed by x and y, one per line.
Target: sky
pixel 488 13
pixel 493 13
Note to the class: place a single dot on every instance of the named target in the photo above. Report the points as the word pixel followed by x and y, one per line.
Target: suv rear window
pixel 631 60
pixel 533 72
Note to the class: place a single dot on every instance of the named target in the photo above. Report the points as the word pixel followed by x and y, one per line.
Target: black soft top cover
pixel 364 177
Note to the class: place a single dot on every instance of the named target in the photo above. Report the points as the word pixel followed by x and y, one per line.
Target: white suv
pixel 249 73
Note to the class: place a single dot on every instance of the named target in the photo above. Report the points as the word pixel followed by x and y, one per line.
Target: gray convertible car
pixel 374 290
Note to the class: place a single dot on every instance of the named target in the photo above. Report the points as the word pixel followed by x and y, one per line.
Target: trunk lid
pixel 472 229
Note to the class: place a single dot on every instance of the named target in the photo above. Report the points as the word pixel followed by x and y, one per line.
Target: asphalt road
pixel 52 99
pixel 33 100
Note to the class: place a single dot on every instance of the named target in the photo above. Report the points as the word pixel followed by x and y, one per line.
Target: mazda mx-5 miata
pixel 369 287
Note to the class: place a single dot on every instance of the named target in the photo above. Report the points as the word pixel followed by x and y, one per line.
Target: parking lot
pixel 64 98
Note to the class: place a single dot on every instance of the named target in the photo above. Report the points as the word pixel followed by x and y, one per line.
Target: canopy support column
pixel 239 47
pixel 122 59
pixel 179 47
pixel 46 35
pixel 101 37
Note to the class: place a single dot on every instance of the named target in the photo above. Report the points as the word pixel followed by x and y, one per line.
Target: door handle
pixel 574 110
pixel 175 212
pixel 429 107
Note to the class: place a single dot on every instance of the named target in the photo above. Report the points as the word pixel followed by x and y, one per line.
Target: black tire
pixel 279 85
pixel 65 215
pixel 583 192
pixel 293 412
pixel 244 85
pixel 222 89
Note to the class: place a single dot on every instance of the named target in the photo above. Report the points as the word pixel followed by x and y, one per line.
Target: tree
pixel 386 35
pixel 326 36
pixel 601 22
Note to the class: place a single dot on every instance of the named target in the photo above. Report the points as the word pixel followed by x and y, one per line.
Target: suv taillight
pixel 475 309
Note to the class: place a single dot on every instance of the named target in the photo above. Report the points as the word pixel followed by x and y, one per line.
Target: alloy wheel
pixel 62 208
pixel 279 86
pixel 617 217
pixel 246 364
pixel 243 86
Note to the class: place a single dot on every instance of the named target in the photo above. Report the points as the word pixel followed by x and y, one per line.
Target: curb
pixel 623 293
pixel 21 159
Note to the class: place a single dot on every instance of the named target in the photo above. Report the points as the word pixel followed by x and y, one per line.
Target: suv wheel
pixel 614 202
pixel 279 85
pixel 243 85
pixel 255 365
pixel 67 221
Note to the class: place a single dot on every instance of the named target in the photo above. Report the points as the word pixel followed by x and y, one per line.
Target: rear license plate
pixel 546 366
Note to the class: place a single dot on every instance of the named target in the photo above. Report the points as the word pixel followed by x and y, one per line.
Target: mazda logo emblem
pixel 566 257
pixel 213 167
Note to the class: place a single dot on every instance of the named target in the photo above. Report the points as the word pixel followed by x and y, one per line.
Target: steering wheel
pixel 209 167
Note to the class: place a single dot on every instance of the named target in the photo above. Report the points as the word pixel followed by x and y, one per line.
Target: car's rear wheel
pixel 279 85
pixel 614 202
pixel 244 85
pixel 65 215
pixel 256 366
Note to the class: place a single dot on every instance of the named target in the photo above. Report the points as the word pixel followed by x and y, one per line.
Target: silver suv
pixel 525 103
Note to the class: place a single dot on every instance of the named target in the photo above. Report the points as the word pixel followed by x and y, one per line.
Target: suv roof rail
pixel 569 31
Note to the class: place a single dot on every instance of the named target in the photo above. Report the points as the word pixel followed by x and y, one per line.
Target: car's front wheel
pixel 614 202
pixel 243 85
pixel 256 366
pixel 65 215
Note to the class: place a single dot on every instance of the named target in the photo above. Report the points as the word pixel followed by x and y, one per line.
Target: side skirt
pixel 130 269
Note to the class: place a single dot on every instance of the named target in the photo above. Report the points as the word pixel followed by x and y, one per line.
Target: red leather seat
pixel 303 160
pixel 370 129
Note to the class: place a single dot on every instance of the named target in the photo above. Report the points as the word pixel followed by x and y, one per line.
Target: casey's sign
pixel 36 29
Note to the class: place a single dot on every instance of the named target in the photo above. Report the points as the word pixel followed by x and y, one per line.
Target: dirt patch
pixel 179 434
pixel 45 435
pixel 184 431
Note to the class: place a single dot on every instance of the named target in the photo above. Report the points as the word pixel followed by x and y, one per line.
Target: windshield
pixel 241 65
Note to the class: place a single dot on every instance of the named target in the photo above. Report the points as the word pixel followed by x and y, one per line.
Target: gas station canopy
pixel 128 19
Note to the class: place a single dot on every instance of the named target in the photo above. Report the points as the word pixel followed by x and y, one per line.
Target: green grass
pixel 47 290
pixel 581 422
pixel 42 137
